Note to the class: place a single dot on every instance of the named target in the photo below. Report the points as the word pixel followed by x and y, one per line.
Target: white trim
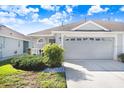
pixel 54 32
pixel 115 48
pixel 62 40
pixel 43 35
pixel 82 32
pixel 14 37
pixel 91 23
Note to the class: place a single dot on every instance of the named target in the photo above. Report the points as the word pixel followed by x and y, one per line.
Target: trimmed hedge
pixel 28 62
pixel 53 55
pixel 121 57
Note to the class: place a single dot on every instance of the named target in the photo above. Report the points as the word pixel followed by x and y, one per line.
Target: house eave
pixel 41 35
pixel 89 32
pixel 78 32
pixel 14 37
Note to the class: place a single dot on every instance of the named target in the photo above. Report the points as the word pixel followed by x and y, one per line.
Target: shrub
pixel 28 62
pixel 121 57
pixel 53 55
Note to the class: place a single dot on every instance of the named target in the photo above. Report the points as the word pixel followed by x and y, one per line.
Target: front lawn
pixel 28 70
pixel 14 78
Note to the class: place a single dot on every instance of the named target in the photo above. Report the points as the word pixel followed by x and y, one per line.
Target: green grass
pixel 14 78
pixel 52 80
pixel 11 81
pixel 8 70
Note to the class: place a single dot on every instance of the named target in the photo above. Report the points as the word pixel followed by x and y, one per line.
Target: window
pixel 67 39
pixel 41 40
pixel 78 39
pixel 91 38
pixel 97 39
pixel 85 38
pixel 72 39
pixel 51 40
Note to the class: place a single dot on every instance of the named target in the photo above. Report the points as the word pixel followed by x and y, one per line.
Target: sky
pixel 31 18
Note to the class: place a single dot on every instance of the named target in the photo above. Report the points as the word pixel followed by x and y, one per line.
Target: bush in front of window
pixel 53 55
pixel 121 57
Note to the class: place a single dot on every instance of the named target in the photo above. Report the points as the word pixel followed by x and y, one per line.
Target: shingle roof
pixel 5 31
pixel 113 26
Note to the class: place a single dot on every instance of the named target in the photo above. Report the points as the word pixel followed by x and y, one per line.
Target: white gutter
pixel 92 32
pixel 78 32
pixel 43 35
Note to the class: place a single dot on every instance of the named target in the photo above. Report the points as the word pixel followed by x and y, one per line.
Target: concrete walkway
pixel 94 74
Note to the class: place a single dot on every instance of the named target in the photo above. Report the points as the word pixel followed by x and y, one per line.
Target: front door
pixel 25 46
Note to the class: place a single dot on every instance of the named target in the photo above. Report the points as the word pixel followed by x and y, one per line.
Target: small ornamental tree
pixel 53 55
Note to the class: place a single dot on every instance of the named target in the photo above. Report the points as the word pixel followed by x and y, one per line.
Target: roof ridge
pixel 55 27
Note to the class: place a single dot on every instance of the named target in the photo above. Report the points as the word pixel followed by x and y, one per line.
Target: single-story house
pixel 12 42
pixel 84 40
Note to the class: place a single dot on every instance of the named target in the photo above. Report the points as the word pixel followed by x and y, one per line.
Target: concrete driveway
pixel 94 74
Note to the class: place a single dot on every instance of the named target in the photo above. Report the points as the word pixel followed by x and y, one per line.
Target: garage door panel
pixel 89 49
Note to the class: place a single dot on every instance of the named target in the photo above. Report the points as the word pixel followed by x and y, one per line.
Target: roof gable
pixel 90 25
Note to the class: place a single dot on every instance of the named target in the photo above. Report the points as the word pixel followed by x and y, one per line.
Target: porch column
pixel 62 40
pixel 115 48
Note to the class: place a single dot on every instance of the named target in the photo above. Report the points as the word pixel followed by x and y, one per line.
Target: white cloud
pixel 69 9
pixel 23 10
pixel 21 15
pixel 122 9
pixel 46 21
pixel 19 9
pixel 4 20
pixel 7 14
pixel 118 20
pixel 96 9
pixel 13 14
pixel 35 17
pixel 50 7
pixel 56 19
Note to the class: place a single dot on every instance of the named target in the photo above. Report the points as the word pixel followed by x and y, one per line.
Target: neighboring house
pixel 85 40
pixel 12 42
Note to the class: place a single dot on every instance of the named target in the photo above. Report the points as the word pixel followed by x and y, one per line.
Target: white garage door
pixel 89 48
